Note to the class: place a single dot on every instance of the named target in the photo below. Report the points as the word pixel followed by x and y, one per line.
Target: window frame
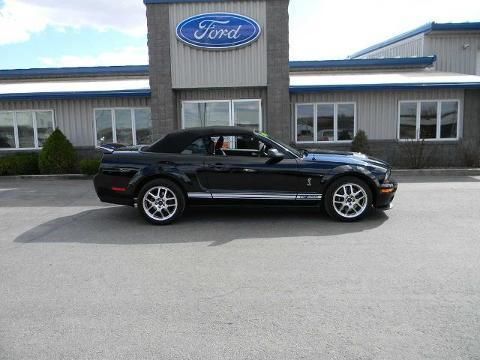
pixel 335 122
pixel 231 110
pixel 35 128
pixel 439 120
pixel 114 124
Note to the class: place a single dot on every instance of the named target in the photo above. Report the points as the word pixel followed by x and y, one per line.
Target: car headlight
pixel 387 175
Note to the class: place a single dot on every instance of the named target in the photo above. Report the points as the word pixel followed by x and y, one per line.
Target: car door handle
pixel 216 166
pixel 249 170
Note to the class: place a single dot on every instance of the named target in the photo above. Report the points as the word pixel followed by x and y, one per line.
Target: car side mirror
pixel 274 156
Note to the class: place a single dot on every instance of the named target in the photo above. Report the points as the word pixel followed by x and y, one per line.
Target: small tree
pixel 360 143
pixel 58 155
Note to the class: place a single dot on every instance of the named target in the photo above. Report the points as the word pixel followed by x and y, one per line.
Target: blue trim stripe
pixel 424 29
pixel 76 71
pixel 77 95
pixel 366 87
pixel 364 63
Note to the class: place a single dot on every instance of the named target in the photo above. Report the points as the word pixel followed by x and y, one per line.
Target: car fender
pixel 351 170
pixel 168 171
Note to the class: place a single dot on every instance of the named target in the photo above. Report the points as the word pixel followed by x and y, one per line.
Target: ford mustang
pixel 232 165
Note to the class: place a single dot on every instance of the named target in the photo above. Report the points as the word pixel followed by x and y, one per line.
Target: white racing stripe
pixel 256 196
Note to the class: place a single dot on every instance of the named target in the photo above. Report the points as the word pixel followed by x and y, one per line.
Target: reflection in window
pixel 334 122
pixel 200 114
pixel 103 122
pixel 305 122
pixel 123 126
pixel 7 131
pixel 449 120
pixel 428 120
pixel 408 120
pixel 325 122
pixel 346 122
pixel 25 129
pixel 243 113
pixel 143 126
pixel 247 114
pixel 434 119
pixel 44 126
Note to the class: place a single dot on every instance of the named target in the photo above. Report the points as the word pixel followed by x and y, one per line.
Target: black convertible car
pixel 230 165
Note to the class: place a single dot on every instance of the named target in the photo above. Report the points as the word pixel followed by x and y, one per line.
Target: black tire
pixel 354 213
pixel 167 207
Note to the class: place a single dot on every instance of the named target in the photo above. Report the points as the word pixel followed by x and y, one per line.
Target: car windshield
pixel 289 148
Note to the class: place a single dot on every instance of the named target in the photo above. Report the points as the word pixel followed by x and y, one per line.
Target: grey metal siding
pixel 196 68
pixel 377 111
pixel 75 117
pixel 221 94
pixel 408 47
pixel 452 56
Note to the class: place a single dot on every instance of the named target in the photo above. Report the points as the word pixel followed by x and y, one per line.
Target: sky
pixel 53 33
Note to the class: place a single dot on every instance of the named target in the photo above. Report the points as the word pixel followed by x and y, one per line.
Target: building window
pixel 428 120
pixel 245 113
pixel 25 129
pixel 128 126
pixel 325 122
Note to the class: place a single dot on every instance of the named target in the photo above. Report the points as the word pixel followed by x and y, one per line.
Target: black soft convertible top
pixel 177 141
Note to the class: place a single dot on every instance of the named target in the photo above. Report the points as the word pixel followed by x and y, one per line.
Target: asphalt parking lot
pixel 84 280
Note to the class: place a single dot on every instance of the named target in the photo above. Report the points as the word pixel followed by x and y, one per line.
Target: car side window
pixel 241 145
pixel 198 147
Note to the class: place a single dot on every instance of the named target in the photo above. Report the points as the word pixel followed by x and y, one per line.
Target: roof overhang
pixel 300 83
pixel 363 64
pixel 44 90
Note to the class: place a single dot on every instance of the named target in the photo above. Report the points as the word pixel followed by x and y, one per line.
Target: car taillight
pixel 119 189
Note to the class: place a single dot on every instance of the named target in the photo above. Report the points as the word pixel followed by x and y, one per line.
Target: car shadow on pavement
pixel 216 226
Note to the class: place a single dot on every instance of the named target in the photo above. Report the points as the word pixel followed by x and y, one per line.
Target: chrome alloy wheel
pixel 350 200
pixel 160 203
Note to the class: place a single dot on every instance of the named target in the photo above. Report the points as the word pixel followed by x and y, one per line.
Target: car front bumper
pixel 385 195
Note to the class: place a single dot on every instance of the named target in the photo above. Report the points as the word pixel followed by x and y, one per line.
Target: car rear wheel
pixel 161 202
pixel 348 199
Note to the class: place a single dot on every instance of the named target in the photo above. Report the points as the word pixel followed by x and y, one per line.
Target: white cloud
pixel 125 56
pixel 19 19
pixel 336 29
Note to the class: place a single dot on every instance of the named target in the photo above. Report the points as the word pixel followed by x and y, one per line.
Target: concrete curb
pixel 436 172
pixel 50 177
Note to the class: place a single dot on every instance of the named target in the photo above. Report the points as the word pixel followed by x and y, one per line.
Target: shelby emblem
pixel 218 31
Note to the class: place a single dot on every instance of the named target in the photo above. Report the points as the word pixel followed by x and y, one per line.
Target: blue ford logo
pixel 218 31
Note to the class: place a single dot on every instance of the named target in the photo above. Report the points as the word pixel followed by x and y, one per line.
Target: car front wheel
pixel 161 202
pixel 348 199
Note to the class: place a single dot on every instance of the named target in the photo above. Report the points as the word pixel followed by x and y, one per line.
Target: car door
pixel 249 174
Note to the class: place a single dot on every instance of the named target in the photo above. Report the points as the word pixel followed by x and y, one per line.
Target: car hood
pixel 345 157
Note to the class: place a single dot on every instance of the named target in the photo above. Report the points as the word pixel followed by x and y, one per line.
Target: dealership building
pixel 226 62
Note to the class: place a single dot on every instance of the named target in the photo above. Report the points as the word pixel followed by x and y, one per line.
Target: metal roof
pixel 424 29
pixel 74 89
pixel 135 70
pixel 299 82
pixel 143 70
pixel 347 64
pixel 382 81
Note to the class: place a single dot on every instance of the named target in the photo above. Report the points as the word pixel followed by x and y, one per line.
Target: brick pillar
pixel 163 102
pixel 278 80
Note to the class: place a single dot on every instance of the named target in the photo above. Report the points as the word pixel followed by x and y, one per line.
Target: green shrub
pixel 89 166
pixel 58 155
pixel 19 164
pixel 360 143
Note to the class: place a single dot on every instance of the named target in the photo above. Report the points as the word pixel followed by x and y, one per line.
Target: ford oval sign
pixel 218 31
